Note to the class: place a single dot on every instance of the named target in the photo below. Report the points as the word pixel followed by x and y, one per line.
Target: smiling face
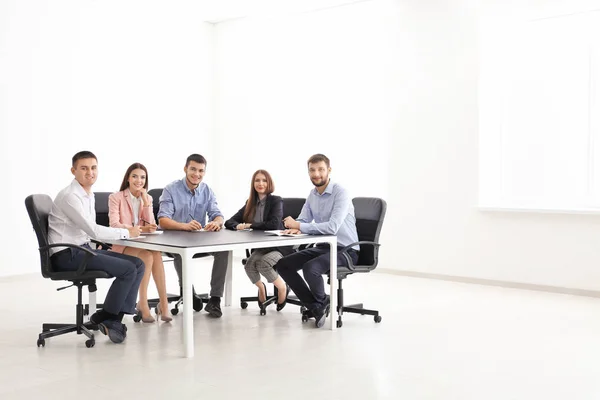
pixel 319 173
pixel 194 173
pixel 85 172
pixel 261 184
pixel 137 181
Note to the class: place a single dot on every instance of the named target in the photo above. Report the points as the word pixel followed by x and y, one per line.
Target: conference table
pixel 189 244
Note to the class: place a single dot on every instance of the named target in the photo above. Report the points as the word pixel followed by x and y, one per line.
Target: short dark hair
pixel 133 166
pixel 83 154
pixel 195 158
pixel 315 158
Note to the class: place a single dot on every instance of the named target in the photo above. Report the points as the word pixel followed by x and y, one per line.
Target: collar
pixel 187 189
pixel 77 188
pixel 130 195
pixel 328 189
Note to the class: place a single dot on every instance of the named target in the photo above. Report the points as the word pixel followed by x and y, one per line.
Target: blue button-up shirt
pixel 178 202
pixel 330 213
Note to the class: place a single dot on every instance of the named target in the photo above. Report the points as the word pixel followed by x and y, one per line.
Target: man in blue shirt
pixel 328 211
pixel 184 205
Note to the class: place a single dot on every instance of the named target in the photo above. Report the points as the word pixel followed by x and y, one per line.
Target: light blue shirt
pixel 330 213
pixel 178 202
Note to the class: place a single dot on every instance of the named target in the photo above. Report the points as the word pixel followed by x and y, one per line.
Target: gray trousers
pixel 262 263
pixel 219 271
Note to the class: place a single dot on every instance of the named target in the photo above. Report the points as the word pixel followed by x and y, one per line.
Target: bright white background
pixel 388 89
pixel 539 107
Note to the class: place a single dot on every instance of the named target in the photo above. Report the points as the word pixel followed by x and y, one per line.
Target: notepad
pixel 242 230
pixel 198 230
pixel 280 233
pixel 136 238
pixel 152 233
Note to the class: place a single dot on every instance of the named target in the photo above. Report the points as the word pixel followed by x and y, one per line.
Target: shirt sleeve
pixel 341 203
pixel 305 214
pixel 73 209
pixel 166 205
pixel 212 208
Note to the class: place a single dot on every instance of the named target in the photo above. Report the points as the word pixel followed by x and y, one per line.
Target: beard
pixel 320 182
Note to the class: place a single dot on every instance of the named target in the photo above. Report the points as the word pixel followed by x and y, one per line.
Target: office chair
pixel 291 207
pixel 369 212
pixel 177 298
pixel 38 207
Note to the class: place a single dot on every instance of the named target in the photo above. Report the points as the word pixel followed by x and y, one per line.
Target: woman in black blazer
pixel 263 211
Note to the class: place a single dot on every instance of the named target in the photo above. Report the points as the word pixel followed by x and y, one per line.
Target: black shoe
pixel 287 293
pixel 321 315
pixel 96 319
pixel 213 307
pixel 115 330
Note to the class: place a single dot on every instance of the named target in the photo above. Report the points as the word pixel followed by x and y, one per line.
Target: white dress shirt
pixel 136 203
pixel 73 219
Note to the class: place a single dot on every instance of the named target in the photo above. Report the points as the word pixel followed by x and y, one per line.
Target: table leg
pixel 333 285
pixel 188 310
pixel 229 279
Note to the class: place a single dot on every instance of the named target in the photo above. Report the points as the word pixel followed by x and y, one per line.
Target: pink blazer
pixel 120 213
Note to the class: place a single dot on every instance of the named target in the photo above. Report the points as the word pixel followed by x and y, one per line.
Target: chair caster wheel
pixel 86 309
pixel 263 311
pixel 302 310
pixel 175 311
pixel 339 323
pixel 304 318
pixel 377 319
pixel 137 317
pixel 41 343
pixel 244 305
pixel 90 343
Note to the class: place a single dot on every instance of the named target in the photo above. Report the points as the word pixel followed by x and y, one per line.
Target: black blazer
pixel 272 220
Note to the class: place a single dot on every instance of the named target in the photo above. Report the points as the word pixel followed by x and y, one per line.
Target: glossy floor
pixel 437 340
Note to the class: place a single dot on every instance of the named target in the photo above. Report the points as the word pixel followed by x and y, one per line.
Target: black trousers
pixel 314 263
pixel 127 270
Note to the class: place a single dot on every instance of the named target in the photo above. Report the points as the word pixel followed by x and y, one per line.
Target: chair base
pixel 357 308
pixel 56 329
pixel 270 300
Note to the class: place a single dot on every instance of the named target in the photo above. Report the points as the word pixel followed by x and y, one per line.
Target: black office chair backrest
pixel 38 207
pixel 292 206
pixel 155 194
pixel 369 213
pixel 101 199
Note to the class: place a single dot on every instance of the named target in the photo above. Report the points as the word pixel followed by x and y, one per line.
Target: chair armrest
pixel 103 246
pixel 344 251
pixel 88 253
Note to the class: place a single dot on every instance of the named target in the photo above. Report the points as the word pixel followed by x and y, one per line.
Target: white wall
pixel 130 81
pixel 388 89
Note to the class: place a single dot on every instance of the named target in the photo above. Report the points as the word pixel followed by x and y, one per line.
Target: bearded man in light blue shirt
pixel 328 210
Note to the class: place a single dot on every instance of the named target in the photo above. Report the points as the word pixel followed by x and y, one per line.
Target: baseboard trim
pixel 491 282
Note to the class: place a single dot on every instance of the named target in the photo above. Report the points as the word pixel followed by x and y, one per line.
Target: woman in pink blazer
pixel 132 206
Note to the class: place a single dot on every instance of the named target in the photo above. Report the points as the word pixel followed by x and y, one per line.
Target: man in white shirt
pixel 73 220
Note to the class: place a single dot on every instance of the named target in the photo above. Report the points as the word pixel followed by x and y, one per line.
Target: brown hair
pixel 133 166
pixel 82 155
pixel 196 158
pixel 251 203
pixel 315 158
